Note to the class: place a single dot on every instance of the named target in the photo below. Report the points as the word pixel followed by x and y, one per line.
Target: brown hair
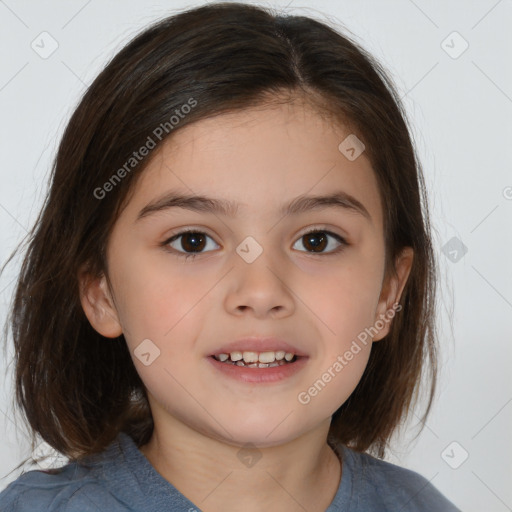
pixel 77 389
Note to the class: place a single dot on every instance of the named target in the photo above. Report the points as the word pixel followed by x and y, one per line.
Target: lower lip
pixel 259 375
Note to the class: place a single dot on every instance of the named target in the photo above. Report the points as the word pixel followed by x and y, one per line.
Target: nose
pixel 260 289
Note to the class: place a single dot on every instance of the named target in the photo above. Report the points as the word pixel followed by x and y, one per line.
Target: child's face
pixel 318 302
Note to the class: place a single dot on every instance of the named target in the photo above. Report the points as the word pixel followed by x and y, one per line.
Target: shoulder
pixel 392 487
pixel 71 488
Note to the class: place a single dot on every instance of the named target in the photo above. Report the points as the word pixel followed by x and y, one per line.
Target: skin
pixel 262 158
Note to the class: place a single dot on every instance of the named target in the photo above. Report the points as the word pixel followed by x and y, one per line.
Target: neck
pixel 302 474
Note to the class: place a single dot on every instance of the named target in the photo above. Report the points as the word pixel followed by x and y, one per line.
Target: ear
pixel 98 305
pixel 392 290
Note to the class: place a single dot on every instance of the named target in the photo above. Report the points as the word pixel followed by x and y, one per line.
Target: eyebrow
pixel 301 204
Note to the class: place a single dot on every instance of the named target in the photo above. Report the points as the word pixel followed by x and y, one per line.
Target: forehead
pixel 258 158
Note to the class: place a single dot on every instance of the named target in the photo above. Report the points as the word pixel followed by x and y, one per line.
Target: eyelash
pixel 180 254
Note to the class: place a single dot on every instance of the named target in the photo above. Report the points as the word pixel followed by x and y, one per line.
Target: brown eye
pixel 317 241
pixel 189 242
pixel 192 242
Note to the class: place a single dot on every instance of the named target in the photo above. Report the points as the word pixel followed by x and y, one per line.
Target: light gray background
pixel 460 105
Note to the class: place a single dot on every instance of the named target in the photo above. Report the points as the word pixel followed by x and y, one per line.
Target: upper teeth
pixel 254 357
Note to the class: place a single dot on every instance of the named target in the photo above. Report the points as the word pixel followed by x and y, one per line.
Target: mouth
pixel 255 350
pixel 261 368
pixel 251 359
pixel 257 360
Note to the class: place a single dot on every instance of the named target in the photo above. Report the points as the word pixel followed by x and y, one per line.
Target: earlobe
pixel 392 291
pixel 98 305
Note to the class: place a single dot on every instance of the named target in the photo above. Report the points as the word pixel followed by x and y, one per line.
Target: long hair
pixel 77 389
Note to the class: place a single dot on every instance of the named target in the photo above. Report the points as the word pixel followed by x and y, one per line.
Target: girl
pixel 228 299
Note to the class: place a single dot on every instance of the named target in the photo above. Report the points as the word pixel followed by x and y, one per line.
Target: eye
pixel 192 241
pixel 318 240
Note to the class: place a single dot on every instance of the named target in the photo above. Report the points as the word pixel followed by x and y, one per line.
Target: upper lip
pixel 258 344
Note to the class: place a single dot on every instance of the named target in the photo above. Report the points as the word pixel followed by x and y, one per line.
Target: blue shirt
pixel 122 479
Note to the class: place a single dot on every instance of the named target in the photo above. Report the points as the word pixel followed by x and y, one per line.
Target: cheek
pixel 156 296
pixel 342 296
pixel 339 375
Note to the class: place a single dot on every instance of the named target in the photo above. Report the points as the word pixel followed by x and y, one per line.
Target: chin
pixel 264 433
